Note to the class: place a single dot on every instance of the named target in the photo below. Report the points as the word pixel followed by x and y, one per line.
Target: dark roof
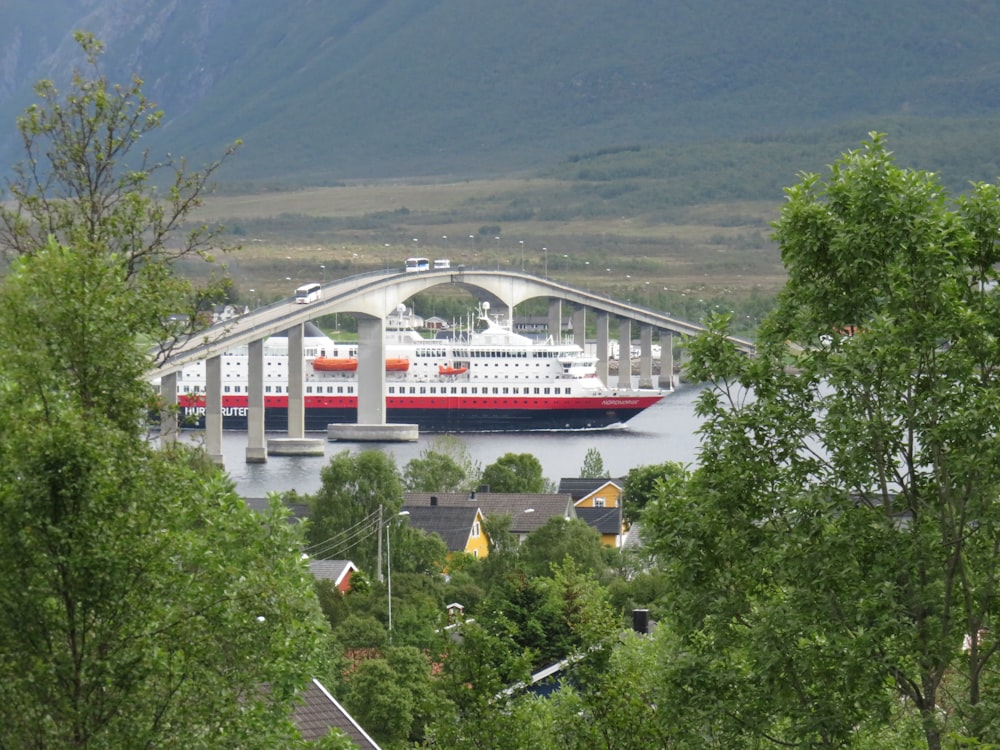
pixel 605 520
pixel 527 511
pixel 319 711
pixel 451 523
pixel 331 570
pixel 579 488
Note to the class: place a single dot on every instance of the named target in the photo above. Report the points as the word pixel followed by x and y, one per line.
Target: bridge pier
pixel 666 360
pixel 602 345
pixel 580 327
pixel 256 451
pixel 646 356
pixel 296 401
pixel 555 319
pixel 168 409
pixel 213 408
pixel 625 354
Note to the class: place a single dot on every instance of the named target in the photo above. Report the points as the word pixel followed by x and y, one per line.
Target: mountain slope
pixel 321 92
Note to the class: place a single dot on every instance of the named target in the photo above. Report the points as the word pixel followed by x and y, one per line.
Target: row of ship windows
pixel 477 390
pixel 486 353
pixel 413 390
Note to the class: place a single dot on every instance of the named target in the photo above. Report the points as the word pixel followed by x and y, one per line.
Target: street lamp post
pixel 522 255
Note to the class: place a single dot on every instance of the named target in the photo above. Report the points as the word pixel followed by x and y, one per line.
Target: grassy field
pixel 685 260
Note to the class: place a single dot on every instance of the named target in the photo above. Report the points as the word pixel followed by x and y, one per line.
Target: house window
pixel 598 502
pixel 475 530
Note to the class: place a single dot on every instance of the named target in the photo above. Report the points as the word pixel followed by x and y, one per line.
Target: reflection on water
pixel 665 432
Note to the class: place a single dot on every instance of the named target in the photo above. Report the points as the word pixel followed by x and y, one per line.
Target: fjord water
pixel 665 432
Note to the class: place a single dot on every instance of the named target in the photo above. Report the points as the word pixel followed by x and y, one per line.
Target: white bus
pixel 415 265
pixel 308 293
pixel 442 263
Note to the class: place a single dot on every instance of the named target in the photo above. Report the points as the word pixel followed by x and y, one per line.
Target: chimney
pixel 640 620
pixel 472 495
pixel 434 500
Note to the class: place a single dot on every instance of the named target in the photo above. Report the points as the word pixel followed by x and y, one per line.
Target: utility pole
pixel 379 563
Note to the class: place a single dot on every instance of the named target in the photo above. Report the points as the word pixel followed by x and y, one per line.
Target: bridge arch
pixel 371 298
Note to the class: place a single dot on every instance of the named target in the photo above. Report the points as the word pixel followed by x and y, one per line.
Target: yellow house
pixel 461 527
pixel 598 501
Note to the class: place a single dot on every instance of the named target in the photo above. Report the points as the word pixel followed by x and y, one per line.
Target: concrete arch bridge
pixel 371 298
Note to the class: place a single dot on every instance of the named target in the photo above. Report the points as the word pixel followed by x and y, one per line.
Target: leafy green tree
pixel 84 183
pixel 593 465
pixel 835 553
pixel 394 695
pixel 359 493
pixel 515 472
pixel 142 602
pixel 452 446
pixel 644 483
pixel 433 472
pixel 558 539
pixel 477 669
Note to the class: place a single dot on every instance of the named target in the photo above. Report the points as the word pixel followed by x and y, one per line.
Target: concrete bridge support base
pixel 295 447
pixel 373 433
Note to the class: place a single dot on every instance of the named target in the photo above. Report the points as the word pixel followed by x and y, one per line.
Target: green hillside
pixel 326 92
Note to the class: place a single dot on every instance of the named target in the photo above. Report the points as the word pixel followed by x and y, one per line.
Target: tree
pixel 142 602
pixel 644 483
pixel 514 472
pixel 558 539
pixel 83 184
pixel 359 493
pixel 445 466
pixel 593 465
pixel 841 534
pixel 433 472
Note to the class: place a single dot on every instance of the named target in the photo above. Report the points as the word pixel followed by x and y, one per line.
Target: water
pixel 665 432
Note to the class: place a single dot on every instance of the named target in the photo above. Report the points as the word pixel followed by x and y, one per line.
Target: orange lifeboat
pixel 335 364
pixel 397 364
pixel 350 364
pixel 448 370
